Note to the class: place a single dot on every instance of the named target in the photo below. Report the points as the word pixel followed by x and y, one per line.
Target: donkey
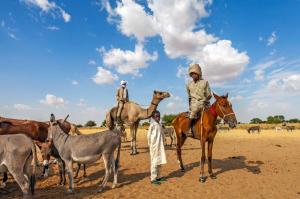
pixel 169 132
pixel 252 129
pixel 205 130
pixel 16 154
pixel 86 149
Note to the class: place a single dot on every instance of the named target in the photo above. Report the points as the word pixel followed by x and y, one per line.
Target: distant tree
pixel 90 123
pixel 103 123
pixel 256 121
pixel 295 120
pixel 275 119
pixel 167 119
pixel 79 126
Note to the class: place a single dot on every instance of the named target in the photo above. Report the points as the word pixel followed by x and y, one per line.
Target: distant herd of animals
pixel 62 140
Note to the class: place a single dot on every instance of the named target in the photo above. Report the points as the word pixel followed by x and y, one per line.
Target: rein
pixel 224 115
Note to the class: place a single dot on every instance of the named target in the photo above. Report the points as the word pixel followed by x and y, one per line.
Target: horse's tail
pixel 32 177
pixel 109 121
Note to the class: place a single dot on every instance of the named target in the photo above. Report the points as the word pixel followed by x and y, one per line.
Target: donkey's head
pixel 224 110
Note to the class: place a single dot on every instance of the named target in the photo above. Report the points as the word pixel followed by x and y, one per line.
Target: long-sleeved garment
pixel 157 149
pixel 199 95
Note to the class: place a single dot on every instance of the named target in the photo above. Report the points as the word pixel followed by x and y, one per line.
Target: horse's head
pixel 160 95
pixel 224 110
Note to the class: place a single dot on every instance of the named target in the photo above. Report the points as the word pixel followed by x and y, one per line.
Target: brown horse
pixel 205 130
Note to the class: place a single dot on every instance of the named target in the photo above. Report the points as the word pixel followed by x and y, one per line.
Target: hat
pixel 195 68
pixel 123 82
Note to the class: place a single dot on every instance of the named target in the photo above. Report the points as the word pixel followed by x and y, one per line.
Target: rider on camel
pixel 122 98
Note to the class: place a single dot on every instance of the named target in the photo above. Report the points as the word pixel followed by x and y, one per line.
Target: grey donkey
pixel 16 154
pixel 87 149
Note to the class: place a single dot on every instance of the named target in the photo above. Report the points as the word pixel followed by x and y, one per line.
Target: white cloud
pixel 134 20
pixel 53 28
pixel 74 82
pixel 237 98
pixel 104 76
pixel 12 35
pixel 52 100
pixel 290 83
pixel 175 21
pixel 259 74
pixel 81 103
pixel 128 62
pixel 92 62
pixel 246 81
pixel 21 107
pixel 49 7
pixel 260 38
pixel 221 61
pixel 272 39
pixel 2 24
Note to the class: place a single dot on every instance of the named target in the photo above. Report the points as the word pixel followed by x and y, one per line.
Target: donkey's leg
pixel 202 162
pixel 70 174
pixel 115 171
pixel 62 171
pixel 209 148
pixel 180 141
pixel 107 164
pixel 19 177
pixel 84 171
pixel 77 170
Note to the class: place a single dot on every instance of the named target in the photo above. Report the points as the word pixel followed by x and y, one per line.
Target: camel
pixel 132 114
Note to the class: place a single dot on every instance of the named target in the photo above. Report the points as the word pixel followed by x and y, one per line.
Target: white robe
pixel 156 144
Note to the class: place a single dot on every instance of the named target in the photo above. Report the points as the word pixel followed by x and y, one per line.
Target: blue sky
pixel 68 57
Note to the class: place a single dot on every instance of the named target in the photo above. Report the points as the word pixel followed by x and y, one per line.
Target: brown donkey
pixel 205 130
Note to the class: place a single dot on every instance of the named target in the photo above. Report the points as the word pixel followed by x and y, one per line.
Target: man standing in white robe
pixel 157 150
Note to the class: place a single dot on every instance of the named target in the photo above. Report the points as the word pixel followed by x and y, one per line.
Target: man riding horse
pixel 199 95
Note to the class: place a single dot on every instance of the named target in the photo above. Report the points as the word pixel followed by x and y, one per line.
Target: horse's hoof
pixel 114 186
pixel 202 179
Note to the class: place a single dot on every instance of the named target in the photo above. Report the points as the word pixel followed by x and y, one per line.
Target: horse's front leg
pixel 180 142
pixel 202 177
pixel 209 148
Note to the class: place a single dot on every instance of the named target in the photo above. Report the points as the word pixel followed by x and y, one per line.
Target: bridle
pixel 224 115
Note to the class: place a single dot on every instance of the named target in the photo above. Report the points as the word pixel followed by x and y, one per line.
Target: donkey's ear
pixel 216 96
pixel 52 118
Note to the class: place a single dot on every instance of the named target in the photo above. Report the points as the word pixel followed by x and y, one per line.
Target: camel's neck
pixel 146 113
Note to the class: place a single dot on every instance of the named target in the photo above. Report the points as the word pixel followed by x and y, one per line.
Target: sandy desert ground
pixel 265 165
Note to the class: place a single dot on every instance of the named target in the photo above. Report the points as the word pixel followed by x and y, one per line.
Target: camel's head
pixel 161 95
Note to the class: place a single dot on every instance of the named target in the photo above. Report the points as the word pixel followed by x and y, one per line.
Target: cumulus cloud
pixel 128 62
pixel 104 76
pixel 134 20
pixel 176 23
pixel 21 107
pixel 272 39
pixel 49 7
pixel 52 100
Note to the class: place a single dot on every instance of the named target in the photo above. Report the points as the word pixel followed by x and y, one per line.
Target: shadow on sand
pixel 224 165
